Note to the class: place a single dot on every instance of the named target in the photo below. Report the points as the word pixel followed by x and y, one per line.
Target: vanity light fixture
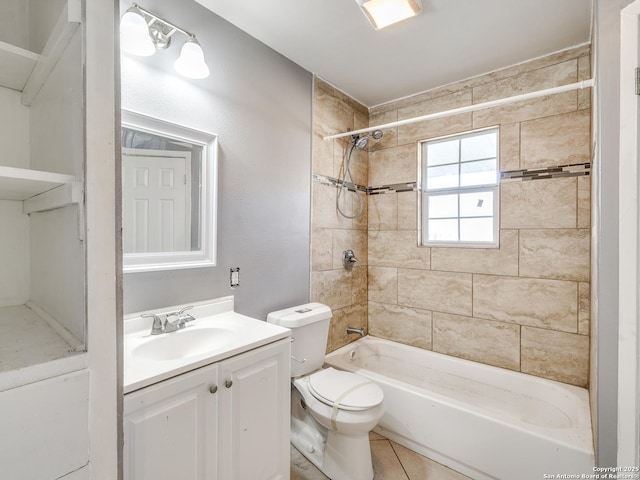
pixel 382 13
pixel 142 33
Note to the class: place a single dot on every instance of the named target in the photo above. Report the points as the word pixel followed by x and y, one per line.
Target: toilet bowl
pixel 332 411
pixel 343 407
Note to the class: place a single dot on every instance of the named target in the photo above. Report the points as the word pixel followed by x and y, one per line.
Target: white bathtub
pixel 483 421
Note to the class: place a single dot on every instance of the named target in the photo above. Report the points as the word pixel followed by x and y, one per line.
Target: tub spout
pixel 359 331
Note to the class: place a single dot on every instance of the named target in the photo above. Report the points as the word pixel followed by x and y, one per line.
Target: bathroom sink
pixel 184 343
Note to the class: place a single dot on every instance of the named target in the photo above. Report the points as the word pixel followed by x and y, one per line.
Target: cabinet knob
pixel 213 388
pixel 228 383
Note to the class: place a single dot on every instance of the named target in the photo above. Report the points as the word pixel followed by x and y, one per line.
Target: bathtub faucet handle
pixel 348 259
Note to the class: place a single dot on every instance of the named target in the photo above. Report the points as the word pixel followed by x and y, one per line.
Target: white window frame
pixel 424 195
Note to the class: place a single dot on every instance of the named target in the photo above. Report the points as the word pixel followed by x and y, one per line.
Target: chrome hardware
pixel 348 259
pixel 299 361
pixel 359 331
pixel 228 383
pixel 213 388
pixel 163 324
pixel 157 328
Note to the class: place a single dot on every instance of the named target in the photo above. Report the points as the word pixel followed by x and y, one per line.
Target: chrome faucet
pixel 349 258
pixel 162 324
pixel 359 331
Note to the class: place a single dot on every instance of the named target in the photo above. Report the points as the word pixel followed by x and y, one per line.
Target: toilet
pixel 332 411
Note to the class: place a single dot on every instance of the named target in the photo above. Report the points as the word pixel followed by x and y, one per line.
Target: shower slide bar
pixel 470 108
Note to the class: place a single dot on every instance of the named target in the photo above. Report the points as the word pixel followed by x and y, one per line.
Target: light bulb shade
pixel 191 63
pixel 134 35
pixel 382 13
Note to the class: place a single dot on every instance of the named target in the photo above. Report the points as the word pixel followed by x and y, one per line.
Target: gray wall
pixel 259 104
pixel 605 267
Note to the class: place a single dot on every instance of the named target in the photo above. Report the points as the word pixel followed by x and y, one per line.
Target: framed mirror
pixel 169 182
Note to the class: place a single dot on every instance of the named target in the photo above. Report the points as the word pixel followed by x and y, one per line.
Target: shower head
pixel 361 142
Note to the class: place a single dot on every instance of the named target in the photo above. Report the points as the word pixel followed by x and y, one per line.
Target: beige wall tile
pixel 322 155
pixel 407 211
pixel 536 64
pixel 437 291
pixel 509 147
pixel 493 343
pixel 556 355
pixel 351 316
pixel 495 261
pixel 526 110
pixel 406 325
pixel 383 284
pixel 331 115
pixel 321 249
pixel 526 301
pixel 539 79
pixel 557 140
pixel 557 253
pixel 548 203
pixel 323 204
pixel 584 308
pixel 584 202
pixel 355 240
pixel 383 211
pixel 434 128
pixel 397 248
pixel 393 165
pixel 331 287
pixel 389 135
pixel 359 285
pixel 361 221
pixel 434 105
pixel 584 73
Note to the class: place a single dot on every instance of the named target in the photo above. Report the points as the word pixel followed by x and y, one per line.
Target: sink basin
pixel 184 343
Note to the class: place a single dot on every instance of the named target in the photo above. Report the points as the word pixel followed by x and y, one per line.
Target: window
pixel 459 198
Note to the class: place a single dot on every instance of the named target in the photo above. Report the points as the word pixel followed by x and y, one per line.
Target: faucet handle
pixel 157 328
pixel 183 318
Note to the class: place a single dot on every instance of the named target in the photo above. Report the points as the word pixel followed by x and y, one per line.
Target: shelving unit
pixel 33 344
pixel 39 190
pixel 27 71
pixel 16 66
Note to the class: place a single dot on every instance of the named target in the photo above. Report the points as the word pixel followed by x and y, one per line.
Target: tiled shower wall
pixel 524 306
pixel 331 234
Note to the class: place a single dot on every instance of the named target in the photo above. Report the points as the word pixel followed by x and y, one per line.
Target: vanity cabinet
pixel 225 421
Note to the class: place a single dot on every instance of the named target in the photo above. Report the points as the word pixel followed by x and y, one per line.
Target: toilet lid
pixel 347 390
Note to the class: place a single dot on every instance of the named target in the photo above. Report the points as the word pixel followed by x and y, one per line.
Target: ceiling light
pixel 143 33
pixel 190 63
pixel 134 34
pixel 382 13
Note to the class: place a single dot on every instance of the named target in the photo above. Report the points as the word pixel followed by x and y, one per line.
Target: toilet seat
pixel 344 390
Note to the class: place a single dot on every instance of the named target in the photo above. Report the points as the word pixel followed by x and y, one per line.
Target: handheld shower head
pixel 361 142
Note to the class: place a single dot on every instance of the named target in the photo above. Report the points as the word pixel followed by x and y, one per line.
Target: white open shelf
pixel 16 65
pixel 39 190
pixel 27 71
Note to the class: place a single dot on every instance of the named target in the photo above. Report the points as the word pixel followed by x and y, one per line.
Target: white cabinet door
pixel 44 428
pixel 170 429
pixel 254 414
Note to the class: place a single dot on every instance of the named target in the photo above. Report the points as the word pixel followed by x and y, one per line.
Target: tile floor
pixel 390 462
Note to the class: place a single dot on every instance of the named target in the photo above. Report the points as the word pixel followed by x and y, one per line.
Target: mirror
pixel 169 178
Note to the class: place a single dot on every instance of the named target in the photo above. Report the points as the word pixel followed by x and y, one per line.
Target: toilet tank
pixel 309 326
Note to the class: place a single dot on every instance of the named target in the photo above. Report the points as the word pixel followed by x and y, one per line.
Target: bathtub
pixel 483 421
